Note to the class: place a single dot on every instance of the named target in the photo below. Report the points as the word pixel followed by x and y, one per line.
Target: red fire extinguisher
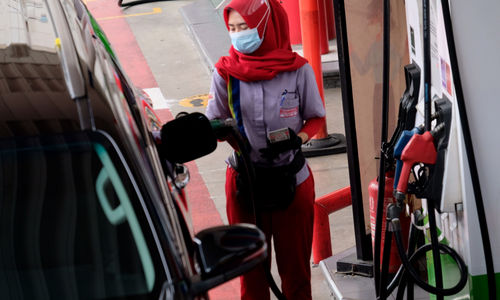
pixel 394 261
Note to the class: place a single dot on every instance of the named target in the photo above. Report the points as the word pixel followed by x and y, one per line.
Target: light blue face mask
pixel 246 41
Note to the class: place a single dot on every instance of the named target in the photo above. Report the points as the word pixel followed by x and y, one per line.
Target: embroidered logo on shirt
pixel 289 112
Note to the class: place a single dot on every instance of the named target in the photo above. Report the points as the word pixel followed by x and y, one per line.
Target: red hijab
pixel 274 55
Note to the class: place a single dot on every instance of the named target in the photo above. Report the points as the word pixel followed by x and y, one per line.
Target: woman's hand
pixel 303 136
pixel 273 150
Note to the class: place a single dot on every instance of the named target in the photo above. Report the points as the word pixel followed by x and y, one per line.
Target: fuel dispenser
pixel 422 152
pixel 431 157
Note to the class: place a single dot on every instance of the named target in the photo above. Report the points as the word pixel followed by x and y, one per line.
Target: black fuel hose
pixel 483 226
pixel 395 280
pixel 228 127
pixel 386 255
pixel 399 278
pixel 250 172
pixel 382 166
pixel 137 2
pixel 427 63
pixel 436 256
pixel 407 263
pixel 427 117
pixel 406 281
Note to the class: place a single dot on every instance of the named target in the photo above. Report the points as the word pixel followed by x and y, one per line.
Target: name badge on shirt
pixel 278 135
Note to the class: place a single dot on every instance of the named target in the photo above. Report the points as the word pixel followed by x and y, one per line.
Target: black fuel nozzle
pixel 395 225
pixel 418 216
pixel 406 113
pixel 435 115
pixel 444 112
pixel 399 196
pixel 223 128
pixel 393 211
pixel 441 133
pixel 438 130
pixel 227 130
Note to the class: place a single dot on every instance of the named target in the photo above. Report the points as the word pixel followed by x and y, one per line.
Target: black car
pixel 91 196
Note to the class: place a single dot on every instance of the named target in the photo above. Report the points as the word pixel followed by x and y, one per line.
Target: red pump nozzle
pixel 420 149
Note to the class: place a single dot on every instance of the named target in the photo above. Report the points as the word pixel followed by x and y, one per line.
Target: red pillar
pixel 323 30
pixel 330 19
pixel 309 18
pixel 292 9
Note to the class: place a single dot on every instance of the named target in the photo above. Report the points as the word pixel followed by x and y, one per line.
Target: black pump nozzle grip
pixel 395 225
pixel 437 130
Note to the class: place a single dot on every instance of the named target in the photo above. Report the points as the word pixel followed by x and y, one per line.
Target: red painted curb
pixel 123 42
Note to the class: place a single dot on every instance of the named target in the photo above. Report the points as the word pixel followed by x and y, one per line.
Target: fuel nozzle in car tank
pixel 222 128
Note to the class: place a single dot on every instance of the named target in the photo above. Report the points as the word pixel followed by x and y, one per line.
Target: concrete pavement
pixel 182 75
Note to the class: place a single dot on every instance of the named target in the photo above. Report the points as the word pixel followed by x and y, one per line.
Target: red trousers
pixel 291 230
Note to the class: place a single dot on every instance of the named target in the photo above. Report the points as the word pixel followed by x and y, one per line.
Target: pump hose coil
pixel 407 263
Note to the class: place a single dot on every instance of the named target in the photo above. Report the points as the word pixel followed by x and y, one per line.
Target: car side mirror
pixel 225 252
pixel 187 138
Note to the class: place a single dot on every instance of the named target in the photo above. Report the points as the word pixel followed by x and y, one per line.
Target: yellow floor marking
pixel 195 101
pixel 156 10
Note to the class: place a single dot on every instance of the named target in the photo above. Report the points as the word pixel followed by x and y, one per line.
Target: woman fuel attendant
pixel 272 93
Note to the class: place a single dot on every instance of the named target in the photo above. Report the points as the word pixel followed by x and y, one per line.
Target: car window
pixel 71 223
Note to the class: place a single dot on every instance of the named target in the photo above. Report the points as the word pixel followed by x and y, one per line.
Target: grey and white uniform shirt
pixel 287 100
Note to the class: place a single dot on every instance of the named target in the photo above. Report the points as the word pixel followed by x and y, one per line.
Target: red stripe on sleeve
pixel 312 126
